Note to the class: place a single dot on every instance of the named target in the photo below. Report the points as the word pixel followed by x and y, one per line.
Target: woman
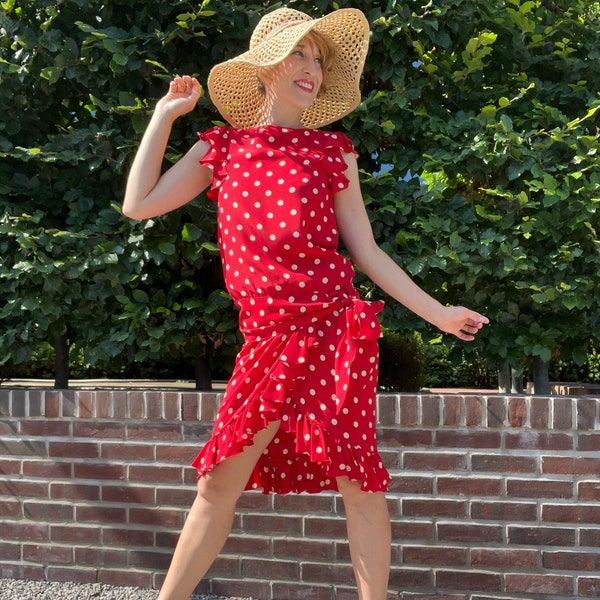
pixel 299 411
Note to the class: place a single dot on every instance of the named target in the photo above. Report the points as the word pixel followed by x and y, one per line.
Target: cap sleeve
pixel 337 144
pixel 216 157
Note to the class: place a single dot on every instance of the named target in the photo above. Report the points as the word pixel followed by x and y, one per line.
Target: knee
pixel 215 488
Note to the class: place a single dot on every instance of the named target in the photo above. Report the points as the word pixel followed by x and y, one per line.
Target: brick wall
pixel 492 497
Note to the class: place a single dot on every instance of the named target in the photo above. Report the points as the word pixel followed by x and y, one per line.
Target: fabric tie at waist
pixel 263 318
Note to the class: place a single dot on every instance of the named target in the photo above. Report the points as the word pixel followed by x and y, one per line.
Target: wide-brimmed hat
pixel 233 85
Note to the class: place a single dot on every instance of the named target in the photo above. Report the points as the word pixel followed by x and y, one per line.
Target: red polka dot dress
pixel 310 354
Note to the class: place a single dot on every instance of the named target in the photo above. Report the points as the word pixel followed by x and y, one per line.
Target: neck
pixel 283 116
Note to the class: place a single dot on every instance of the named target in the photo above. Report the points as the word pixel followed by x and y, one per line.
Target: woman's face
pixel 298 78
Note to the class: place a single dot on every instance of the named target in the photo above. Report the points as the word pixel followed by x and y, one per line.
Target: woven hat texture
pixel 233 85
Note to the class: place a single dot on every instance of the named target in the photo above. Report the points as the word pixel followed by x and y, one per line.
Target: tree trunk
pixel 504 379
pixel 61 362
pixel 202 374
pixel 541 377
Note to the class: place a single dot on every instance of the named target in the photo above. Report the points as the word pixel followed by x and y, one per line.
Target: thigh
pixel 230 476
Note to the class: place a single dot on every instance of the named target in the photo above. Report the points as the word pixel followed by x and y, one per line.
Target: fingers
pixel 186 85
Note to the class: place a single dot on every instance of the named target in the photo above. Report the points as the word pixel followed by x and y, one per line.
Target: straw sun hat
pixel 233 85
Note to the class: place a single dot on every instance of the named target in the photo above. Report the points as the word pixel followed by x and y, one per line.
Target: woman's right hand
pixel 184 92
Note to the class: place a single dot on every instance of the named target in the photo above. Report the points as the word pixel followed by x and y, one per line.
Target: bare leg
pixel 211 516
pixel 369 534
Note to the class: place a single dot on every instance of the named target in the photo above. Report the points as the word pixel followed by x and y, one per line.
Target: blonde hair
pixel 327 51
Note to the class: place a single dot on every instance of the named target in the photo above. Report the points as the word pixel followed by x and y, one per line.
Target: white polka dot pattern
pixel 309 358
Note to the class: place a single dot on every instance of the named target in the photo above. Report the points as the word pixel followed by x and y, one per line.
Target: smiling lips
pixel 307 86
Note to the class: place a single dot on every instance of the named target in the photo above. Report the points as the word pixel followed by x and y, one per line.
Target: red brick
pixel 179 455
pixel 99 429
pixel 74 533
pixel 153 474
pixel 100 514
pixel 21 489
pixel 68 401
pixel 325 527
pixel 89 470
pixel 539 412
pixel 21 571
pixel 156 517
pixel 571 561
pixel 45 511
pixel 112 536
pixel 505 559
pixel 288 548
pixel 71 575
pixel 467 439
pixel 271 524
pixel 541 536
pixel 171 401
pixel 587 410
pixel 438 556
pixel 503 464
pixel 145 559
pixel 425 507
pixel 190 407
pixel 276 569
pixel 52 405
pixel 19 447
pixel 387 409
pixel 10 509
pixel 574 513
pixel 589 536
pixel 320 572
pixel 9 552
pixel 116 577
pixel 103 404
pixel 9 467
pixel 435 461
pixel 73 450
pixel 588 442
pixel 406 530
pixel 128 452
pixel 468 580
pixel 409 410
pixel 504 511
pixel 588 490
pixel 299 591
pixel 51 554
pixel 47 470
pixel 411 484
pixel 410 596
pixel 538 488
pixel 531 583
pixel 563 413
pixel 209 405
pixel 496 411
pixel 98 556
pixel 154 405
pixel 474 406
pixel 570 466
pixel 452 410
pixel 240 589
pixel 517 411
pixel 154 432
pixel 74 491
pixel 588 587
pixel 128 494
pixel 181 496
pixel 85 405
pixel 31 532
pixel 389 437
pixel 304 503
pixel 469 486
pixel 535 440
pixel 45 428
pixel 430 411
pixel 250 545
pixel 450 532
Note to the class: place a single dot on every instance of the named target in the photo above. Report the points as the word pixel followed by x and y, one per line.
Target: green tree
pixel 478 137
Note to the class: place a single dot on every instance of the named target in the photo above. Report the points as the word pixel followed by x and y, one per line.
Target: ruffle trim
pixel 325 146
pixel 319 457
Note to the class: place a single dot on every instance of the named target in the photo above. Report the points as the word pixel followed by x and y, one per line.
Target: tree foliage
pixel 478 137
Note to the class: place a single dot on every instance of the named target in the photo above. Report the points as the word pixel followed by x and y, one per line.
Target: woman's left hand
pixel 461 322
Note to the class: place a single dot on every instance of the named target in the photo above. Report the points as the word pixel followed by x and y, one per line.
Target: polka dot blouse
pixel 310 355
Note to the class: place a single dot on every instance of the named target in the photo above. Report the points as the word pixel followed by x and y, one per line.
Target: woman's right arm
pixel 148 193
